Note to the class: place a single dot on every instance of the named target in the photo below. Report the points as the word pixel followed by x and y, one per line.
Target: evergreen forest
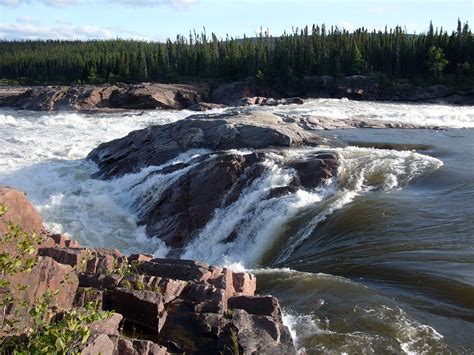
pixel 432 56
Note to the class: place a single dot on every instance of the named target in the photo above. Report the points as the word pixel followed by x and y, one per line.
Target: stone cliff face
pixel 185 306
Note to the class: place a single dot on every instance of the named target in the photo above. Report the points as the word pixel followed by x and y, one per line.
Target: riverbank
pixel 374 247
pixel 209 95
pixel 170 306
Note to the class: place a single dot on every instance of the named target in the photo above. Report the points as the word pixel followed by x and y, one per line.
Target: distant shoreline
pixel 210 95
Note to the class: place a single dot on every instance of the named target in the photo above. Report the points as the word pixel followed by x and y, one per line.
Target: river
pixel 379 260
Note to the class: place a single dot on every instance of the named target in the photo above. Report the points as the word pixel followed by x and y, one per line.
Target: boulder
pixel 99 344
pixel 158 96
pixel 141 307
pixel 156 145
pixel 187 270
pixel 139 257
pixel 315 168
pixel 231 93
pixel 139 347
pixel 109 326
pixel 258 305
pixel 205 106
pixel 46 275
pixel 238 332
pixel 99 281
pixel 20 211
pixel 206 298
pixel 30 287
pixel 86 259
pixel 244 283
pixel 85 295
pixel 120 96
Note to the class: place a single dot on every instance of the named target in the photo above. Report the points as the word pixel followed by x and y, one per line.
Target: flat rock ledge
pixel 160 306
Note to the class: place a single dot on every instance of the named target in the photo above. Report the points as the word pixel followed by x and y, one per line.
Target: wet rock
pixel 141 307
pixel 189 202
pixel 158 144
pixel 248 101
pixel 286 101
pixel 282 191
pixel 254 334
pixel 313 169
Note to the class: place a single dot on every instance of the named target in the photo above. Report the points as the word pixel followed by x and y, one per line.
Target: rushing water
pixel 379 260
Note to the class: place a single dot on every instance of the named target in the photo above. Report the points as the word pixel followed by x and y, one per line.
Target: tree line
pixel 315 50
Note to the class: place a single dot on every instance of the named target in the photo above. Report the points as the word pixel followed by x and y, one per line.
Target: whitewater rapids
pixel 43 154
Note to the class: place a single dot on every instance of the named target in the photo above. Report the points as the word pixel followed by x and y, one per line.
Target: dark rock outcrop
pixel 205 106
pixel 141 307
pixel 158 144
pixel 120 96
pixel 201 97
pixel 313 169
pixel 189 203
pixel 210 181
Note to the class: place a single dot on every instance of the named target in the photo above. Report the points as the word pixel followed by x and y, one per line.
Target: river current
pixel 379 260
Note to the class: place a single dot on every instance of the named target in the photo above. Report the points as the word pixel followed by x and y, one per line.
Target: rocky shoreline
pixel 170 305
pixel 205 96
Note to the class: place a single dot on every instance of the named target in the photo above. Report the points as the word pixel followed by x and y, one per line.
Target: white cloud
pixel 11 2
pixel 25 19
pixel 35 31
pixel 28 28
pixel 176 4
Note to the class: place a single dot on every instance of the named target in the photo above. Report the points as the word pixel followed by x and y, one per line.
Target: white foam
pixel 43 155
pixel 419 114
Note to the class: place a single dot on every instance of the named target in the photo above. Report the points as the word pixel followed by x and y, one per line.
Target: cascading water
pixel 395 225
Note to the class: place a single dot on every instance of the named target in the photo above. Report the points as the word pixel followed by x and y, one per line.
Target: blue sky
pixel 162 19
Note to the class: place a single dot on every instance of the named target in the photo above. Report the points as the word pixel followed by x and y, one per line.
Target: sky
pixel 158 20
